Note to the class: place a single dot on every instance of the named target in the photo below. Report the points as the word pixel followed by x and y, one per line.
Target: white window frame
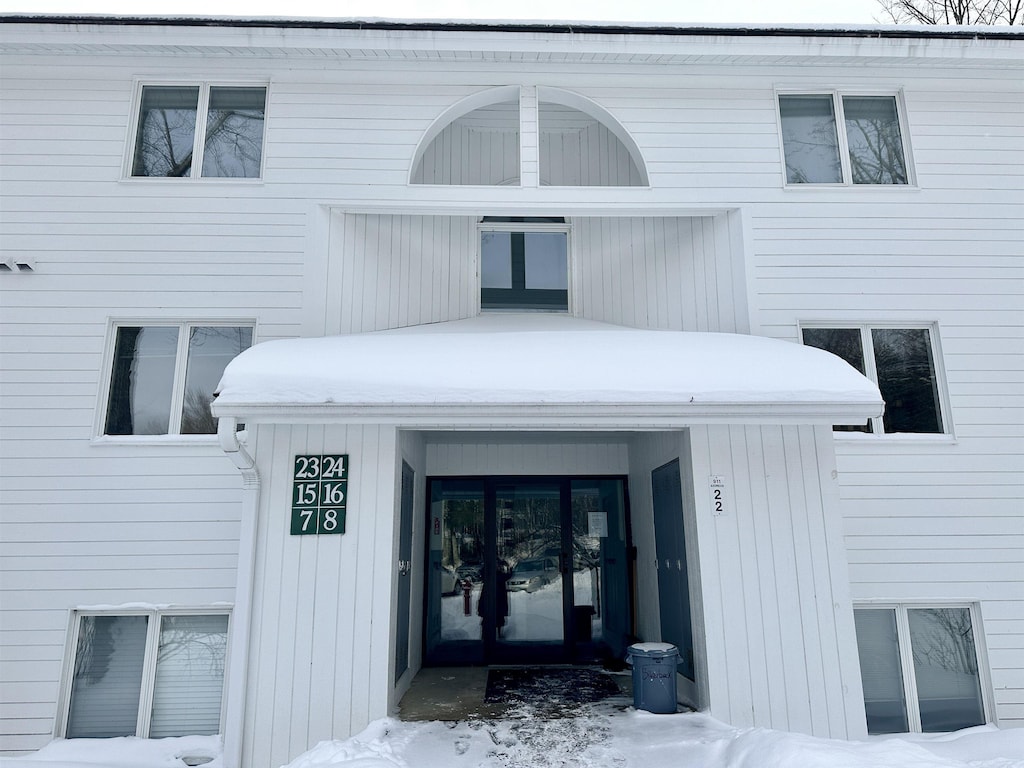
pixel 906 659
pixel 178 384
pixel 145 706
pixel 199 137
pixel 871 372
pixel 837 95
pixel 526 227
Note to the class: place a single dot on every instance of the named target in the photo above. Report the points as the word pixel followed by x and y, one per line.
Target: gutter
pixel 534 27
pixel 241 618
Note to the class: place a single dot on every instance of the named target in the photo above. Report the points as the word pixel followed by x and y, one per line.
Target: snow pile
pixel 124 752
pixel 613 739
pixel 601 736
pixel 538 358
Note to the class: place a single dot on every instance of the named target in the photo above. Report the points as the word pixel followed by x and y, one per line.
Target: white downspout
pixel 241 618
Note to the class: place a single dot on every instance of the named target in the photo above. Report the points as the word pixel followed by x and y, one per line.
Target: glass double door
pixel 526 570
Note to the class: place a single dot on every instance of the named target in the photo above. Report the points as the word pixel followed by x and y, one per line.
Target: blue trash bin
pixel 654 676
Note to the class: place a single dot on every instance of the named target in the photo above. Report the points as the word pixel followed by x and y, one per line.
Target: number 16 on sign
pixel 718 500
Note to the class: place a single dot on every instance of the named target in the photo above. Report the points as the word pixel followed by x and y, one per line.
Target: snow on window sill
pixel 133 440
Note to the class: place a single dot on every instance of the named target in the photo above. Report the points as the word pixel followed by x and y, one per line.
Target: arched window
pixel 490 137
pixel 581 145
pixel 474 142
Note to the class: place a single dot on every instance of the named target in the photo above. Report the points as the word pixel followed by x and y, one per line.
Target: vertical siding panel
pixel 797 466
pixel 780 514
pixel 708 255
pixel 657 299
pixel 585 266
pixel 751 644
pixel 362 487
pixel 326 618
pixel 399 316
pixel 302 596
pixel 260 685
pixel 381 593
pixel 837 618
pixel 723 581
pixel 824 601
pixel 382 292
pixel 528 136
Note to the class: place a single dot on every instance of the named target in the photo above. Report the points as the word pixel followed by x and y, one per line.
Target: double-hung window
pixel 901 361
pixel 524 264
pixel 199 131
pixel 919 666
pixel 162 376
pixel 148 673
pixel 837 138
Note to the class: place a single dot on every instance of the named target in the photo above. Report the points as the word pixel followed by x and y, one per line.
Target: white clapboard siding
pixel 930 519
pixel 343 130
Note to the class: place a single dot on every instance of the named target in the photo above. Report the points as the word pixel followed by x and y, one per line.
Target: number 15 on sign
pixel 718 500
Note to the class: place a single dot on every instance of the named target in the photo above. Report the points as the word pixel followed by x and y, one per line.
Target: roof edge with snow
pixel 542 371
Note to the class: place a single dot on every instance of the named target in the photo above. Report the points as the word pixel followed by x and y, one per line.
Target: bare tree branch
pixel 952 12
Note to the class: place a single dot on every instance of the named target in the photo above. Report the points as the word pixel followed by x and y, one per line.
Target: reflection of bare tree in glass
pixel 944 639
pixel 120 419
pixel 464 533
pixel 217 346
pixel 188 644
pixel 810 140
pixel 196 417
pixel 906 378
pixel 166 131
pixel 233 140
pixel 234 143
pixel 876 147
pixel 93 654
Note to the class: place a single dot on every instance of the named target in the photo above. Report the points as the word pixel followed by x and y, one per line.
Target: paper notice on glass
pixel 598 524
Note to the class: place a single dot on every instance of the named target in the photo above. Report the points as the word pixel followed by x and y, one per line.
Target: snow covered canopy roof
pixel 544 370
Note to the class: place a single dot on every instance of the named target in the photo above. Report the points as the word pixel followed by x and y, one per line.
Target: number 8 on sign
pixel 319 494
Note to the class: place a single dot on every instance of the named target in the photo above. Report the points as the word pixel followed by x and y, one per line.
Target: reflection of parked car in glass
pixel 532 574
pixel 449 581
pixel 470 572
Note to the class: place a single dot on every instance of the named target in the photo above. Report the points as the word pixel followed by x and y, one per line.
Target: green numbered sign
pixel 319 494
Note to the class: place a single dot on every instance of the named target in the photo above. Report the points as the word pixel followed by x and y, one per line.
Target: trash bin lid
pixel 653 650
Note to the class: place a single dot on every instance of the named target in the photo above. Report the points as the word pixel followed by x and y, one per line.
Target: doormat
pixel 549 687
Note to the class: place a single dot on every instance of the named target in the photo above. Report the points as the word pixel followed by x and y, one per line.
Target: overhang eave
pixel 551 416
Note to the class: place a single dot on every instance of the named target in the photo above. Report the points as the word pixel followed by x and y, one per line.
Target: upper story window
pixel 524 264
pixel 163 376
pixel 147 673
pixel 901 362
pixel 206 131
pixel 833 138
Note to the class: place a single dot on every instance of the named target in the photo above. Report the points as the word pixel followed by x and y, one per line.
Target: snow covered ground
pixel 601 736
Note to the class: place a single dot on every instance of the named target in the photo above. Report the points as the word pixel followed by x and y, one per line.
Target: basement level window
pixel 163 376
pixel 524 264
pixel 919 666
pixel 836 138
pixel 148 674
pixel 199 131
